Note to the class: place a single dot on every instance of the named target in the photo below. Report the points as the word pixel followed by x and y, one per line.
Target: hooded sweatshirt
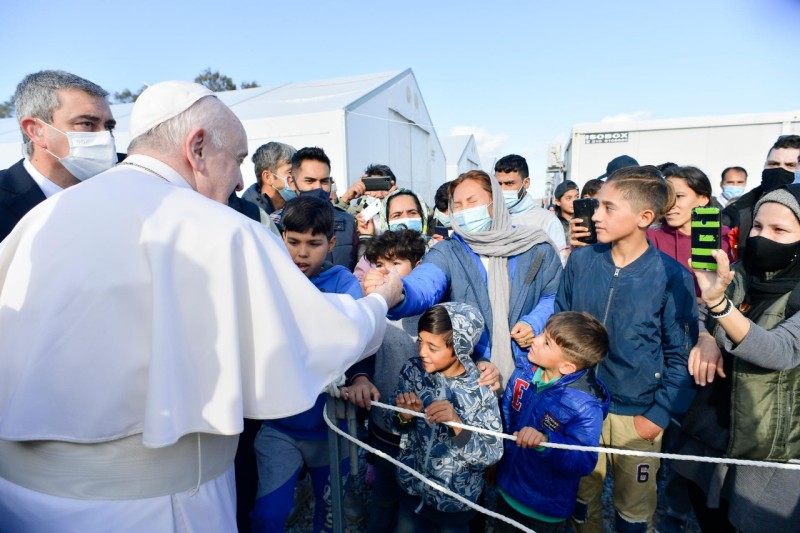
pixel 454 461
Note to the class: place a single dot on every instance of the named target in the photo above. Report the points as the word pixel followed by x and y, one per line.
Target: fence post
pixel 337 500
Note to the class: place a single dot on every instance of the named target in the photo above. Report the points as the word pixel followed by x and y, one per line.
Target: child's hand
pixel 490 376
pixel 361 392
pixel 577 232
pixel 443 411
pixel 408 400
pixel 645 428
pixel 528 437
pixel 373 279
pixel 705 360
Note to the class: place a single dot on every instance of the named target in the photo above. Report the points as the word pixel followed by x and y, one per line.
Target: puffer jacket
pixel 650 312
pixel 452 271
pixel 765 403
pixel 455 462
pixel 571 411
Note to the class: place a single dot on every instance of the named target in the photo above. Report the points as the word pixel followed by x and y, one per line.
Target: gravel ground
pixel 360 494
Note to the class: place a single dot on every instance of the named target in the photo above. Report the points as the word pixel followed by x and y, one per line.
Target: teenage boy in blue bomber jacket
pixel 646 301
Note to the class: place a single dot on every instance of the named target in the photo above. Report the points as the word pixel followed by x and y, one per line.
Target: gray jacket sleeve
pixel 776 349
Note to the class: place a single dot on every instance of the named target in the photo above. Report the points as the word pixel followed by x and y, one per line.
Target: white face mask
pixel 90 153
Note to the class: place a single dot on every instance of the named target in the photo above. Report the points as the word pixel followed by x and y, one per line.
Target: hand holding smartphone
pixel 706 236
pixel 584 209
pixel 377 183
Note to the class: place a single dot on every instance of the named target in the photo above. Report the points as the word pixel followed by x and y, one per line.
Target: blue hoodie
pixel 309 425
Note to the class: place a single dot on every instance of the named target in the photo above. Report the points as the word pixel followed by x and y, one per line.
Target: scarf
pixel 498 244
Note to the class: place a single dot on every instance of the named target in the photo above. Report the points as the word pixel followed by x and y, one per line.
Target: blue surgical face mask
pixel 474 219
pixel 797 175
pixel 729 192
pixel 512 198
pixel 406 223
pixel 444 220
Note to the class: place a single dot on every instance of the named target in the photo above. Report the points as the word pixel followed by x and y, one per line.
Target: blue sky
pixel 518 74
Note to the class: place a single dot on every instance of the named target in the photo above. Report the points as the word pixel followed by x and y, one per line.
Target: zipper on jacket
pixel 610 293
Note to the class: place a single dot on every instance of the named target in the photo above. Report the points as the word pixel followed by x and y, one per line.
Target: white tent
pixel 461 154
pixel 358 120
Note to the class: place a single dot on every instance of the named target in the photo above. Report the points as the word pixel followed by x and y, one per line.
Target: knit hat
pixel 788 196
pixel 563 187
pixel 163 101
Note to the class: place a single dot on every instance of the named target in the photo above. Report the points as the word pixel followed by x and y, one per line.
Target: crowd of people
pixel 166 346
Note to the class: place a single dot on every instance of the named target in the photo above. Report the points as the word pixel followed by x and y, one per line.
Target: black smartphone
pixel 584 209
pixel 441 230
pixel 706 236
pixel 377 183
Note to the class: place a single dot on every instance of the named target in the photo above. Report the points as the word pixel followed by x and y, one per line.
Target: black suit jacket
pixel 18 195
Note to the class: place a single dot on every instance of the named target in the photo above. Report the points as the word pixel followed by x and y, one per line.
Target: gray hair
pixel 270 156
pixel 36 95
pixel 207 113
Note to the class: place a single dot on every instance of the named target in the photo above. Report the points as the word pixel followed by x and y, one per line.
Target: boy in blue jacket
pixel 283 446
pixel 646 302
pixel 558 399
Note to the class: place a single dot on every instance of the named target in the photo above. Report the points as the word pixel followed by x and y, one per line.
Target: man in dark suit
pixel 66 126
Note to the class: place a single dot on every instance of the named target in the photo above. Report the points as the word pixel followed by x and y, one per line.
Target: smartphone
pixel 706 236
pixel 441 230
pixel 584 210
pixel 377 183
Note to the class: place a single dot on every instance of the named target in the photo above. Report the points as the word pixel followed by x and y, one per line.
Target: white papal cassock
pixel 139 322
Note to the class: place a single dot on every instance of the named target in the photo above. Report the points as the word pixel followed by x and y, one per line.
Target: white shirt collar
pixel 156 167
pixel 48 187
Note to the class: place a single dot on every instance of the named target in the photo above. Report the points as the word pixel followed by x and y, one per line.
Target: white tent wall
pixel 462 156
pixel 708 143
pixel 318 129
pixel 392 126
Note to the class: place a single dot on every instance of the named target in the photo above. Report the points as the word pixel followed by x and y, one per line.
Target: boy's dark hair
pixel 787 141
pixel 403 244
pixel 740 169
pixel 591 187
pixel 644 188
pixel 512 163
pixel 380 170
pixel 441 198
pixel 436 320
pixel 312 153
pixel 581 337
pixel 308 213
pixel 664 167
pixel 695 178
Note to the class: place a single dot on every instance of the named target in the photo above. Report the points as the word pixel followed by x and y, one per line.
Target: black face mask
pixel 764 255
pixel 322 194
pixel 773 178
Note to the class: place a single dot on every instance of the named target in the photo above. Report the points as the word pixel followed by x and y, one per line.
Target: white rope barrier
pixel 602 449
pixel 419 476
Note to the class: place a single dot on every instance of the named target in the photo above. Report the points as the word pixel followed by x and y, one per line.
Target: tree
pixel 7 108
pixel 128 97
pixel 215 81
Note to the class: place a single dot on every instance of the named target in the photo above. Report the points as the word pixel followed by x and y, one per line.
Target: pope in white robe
pixel 140 322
